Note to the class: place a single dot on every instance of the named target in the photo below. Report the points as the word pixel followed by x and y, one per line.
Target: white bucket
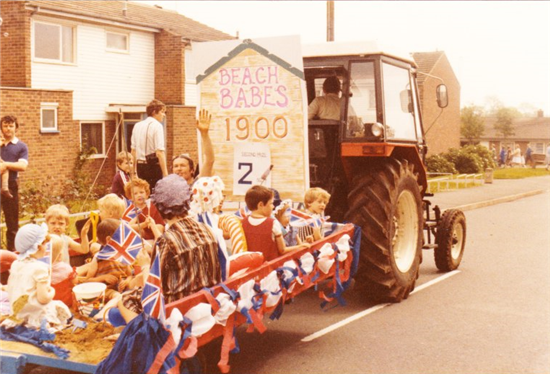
pixel 90 297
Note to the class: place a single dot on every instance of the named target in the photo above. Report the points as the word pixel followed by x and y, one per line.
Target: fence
pixel 449 182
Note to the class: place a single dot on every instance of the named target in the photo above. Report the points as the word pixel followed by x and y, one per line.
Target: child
pixel 149 223
pixel 5 177
pixel 125 166
pixel 57 220
pixel 30 293
pixel 110 206
pixel 316 200
pixel 282 214
pixel 262 233
pixel 106 271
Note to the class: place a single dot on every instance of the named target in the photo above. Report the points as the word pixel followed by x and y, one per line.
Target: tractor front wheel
pixel 450 240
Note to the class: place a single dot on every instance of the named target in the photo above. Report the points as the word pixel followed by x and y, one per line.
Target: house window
pixel 53 42
pixel 117 42
pixel 538 148
pixel 48 117
pixel 92 135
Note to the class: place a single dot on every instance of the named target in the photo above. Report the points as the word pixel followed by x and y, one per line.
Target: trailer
pixel 250 295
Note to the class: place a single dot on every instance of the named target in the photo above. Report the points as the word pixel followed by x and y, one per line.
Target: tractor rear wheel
pixel 450 240
pixel 386 203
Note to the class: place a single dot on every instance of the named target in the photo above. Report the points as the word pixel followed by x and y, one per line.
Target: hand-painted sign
pixel 257 100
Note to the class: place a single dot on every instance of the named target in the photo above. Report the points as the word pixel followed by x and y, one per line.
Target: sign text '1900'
pixel 261 128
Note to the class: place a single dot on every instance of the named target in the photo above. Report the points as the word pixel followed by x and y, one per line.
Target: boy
pixel 149 223
pixel 108 272
pixel 57 220
pixel 316 200
pixel 125 166
pixel 263 233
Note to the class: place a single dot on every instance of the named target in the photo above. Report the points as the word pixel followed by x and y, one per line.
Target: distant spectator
pixel 529 156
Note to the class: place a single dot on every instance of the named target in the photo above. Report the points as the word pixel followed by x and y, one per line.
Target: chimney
pixel 540 113
pixel 125 9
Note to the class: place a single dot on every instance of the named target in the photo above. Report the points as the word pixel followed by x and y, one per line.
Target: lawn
pixel 519 173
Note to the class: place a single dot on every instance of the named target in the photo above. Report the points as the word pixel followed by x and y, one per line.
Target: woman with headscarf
pixel 29 286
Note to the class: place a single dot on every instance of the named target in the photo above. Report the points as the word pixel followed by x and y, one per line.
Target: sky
pixel 497 49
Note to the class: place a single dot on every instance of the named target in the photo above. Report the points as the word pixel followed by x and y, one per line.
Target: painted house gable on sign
pixel 258 103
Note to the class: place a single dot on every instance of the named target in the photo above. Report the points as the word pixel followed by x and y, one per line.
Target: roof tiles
pixel 136 14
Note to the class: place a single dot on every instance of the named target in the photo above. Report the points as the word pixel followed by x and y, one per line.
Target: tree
pixel 472 123
pixel 505 121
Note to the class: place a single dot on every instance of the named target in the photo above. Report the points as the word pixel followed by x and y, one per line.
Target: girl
pixel 29 290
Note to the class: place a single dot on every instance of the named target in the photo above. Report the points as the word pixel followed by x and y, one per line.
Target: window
pixel 48 117
pixel 399 111
pixel 362 101
pixel 53 42
pixel 92 136
pixel 117 42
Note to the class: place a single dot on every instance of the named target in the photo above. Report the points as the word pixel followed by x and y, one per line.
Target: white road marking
pixel 366 312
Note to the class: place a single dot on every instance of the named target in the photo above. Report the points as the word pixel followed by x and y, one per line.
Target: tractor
pixel 372 162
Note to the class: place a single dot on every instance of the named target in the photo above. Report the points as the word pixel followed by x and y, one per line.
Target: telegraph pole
pixel 330 21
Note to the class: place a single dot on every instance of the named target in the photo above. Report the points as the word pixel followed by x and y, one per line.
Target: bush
pixel 484 154
pixel 76 190
pixel 468 163
pixel 439 164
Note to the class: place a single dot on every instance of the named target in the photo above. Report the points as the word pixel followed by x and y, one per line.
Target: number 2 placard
pixel 251 161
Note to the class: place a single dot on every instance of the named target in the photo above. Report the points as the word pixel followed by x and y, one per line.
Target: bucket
pixel 89 297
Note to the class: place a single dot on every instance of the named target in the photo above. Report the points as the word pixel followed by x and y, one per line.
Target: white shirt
pixel 325 107
pixel 147 132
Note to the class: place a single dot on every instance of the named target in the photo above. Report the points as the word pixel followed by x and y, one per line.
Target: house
pixel 534 130
pixel 80 73
pixel 441 126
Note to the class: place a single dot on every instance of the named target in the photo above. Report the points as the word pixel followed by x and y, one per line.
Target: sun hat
pixel 207 194
pixel 28 238
pixel 171 195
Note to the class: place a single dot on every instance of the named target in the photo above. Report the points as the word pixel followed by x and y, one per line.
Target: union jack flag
pixel 152 298
pixel 131 211
pixel 301 219
pixel 123 246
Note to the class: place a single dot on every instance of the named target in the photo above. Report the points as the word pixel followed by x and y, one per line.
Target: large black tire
pixel 450 240
pixel 386 203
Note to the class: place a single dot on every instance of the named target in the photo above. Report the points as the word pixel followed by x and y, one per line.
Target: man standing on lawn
pixel 15 156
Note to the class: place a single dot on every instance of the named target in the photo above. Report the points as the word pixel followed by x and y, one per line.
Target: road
pixel 492 316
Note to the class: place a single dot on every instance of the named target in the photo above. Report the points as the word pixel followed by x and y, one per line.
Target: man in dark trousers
pixel 148 150
pixel 15 156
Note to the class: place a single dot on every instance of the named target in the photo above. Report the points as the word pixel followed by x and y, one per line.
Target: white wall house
pixel 101 64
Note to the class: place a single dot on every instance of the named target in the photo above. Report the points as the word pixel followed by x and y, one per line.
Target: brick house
pixel 534 130
pixel 442 127
pixel 81 73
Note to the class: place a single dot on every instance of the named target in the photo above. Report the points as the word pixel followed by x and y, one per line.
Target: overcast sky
pixel 496 48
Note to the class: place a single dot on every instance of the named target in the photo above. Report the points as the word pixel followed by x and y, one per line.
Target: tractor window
pixel 362 101
pixel 398 101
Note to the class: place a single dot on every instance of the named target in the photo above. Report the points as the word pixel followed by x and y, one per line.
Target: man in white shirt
pixel 148 140
pixel 327 106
